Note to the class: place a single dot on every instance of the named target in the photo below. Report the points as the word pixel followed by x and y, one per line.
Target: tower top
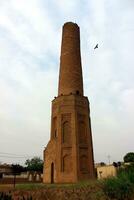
pixel 70 77
pixel 71 24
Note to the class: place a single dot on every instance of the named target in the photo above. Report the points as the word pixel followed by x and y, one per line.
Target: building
pixel 106 171
pixel 68 156
pixel 5 169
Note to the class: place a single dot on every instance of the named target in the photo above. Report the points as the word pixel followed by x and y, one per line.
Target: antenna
pixel 109 159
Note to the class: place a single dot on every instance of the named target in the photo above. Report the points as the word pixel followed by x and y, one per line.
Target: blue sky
pixel 30 40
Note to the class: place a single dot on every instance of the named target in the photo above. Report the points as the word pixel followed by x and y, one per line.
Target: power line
pixel 12 154
pixel 11 157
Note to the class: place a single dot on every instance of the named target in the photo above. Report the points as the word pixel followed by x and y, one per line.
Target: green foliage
pixel 34 164
pixel 121 187
pixel 118 188
pixel 34 186
pixel 5 196
pixel 31 186
pixel 129 157
pixel 17 169
pixel 128 171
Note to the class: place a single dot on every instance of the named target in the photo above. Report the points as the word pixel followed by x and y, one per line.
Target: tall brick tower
pixel 68 156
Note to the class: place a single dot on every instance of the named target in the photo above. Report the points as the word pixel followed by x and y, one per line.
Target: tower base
pixel 68 157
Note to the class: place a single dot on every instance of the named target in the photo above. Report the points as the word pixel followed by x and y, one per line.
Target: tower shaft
pixel 70 77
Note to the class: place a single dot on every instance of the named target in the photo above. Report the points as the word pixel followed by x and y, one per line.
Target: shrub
pixel 119 188
pixel 127 171
pixel 129 157
pixel 5 196
pixel 8 196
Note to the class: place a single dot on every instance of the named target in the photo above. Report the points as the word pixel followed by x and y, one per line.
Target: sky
pixel 30 42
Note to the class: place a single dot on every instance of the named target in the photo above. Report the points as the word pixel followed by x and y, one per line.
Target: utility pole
pixel 109 159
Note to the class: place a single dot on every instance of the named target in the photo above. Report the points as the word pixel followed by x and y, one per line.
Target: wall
pixel 106 171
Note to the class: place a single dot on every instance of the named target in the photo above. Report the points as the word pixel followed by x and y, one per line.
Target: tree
pixel 117 164
pixel 34 164
pixel 16 170
pixel 129 157
pixel 102 164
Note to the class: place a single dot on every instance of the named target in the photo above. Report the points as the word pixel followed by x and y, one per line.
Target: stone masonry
pixel 68 157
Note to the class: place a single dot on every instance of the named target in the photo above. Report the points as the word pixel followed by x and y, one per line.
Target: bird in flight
pixel 96 46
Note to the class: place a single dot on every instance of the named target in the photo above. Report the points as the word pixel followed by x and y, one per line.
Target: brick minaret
pixel 70 79
pixel 68 156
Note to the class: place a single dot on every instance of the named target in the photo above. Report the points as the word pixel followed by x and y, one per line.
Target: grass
pixel 34 186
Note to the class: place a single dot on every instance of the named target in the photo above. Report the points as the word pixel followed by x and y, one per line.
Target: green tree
pixel 16 170
pixel 129 157
pixel 34 164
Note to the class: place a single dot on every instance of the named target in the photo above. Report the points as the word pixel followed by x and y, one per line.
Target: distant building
pixel 5 169
pixel 106 171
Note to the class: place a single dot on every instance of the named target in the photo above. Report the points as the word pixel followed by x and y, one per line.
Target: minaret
pixel 70 79
pixel 68 156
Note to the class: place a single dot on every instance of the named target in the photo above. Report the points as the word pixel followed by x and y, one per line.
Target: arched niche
pixel 82 133
pixel 66 134
pixel 83 163
pixel 52 172
pixel 54 127
pixel 66 164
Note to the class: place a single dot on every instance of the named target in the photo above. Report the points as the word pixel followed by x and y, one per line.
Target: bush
pixel 5 196
pixel 8 196
pixel 119 188
pixel 129 157
pixel 127 171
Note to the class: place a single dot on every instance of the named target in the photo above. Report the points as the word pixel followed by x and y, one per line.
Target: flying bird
pixel 96 46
